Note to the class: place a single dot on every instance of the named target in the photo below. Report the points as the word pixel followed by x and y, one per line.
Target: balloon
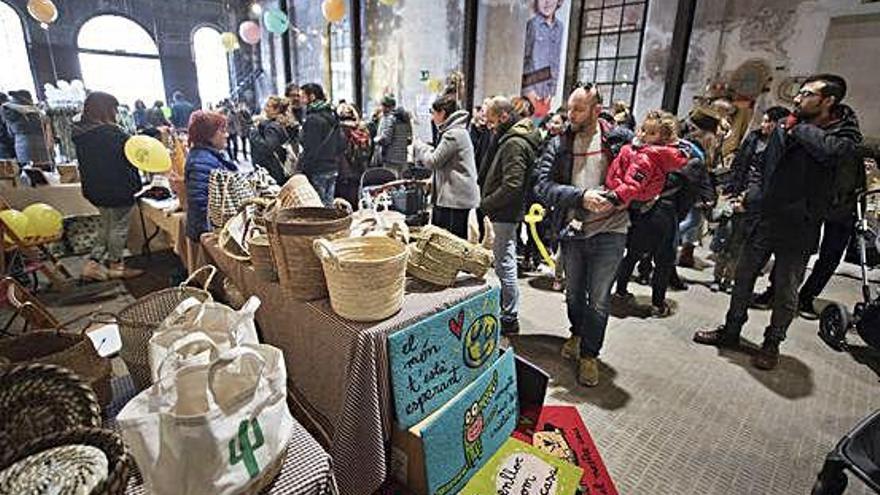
pixel 435 85
pixel 42 10
pixel 229 41
pixel 148 154
pixel 334 10
pixel 16 222
pixel 275 21
pixel 250 32
pixel 535 215
pixel 43 220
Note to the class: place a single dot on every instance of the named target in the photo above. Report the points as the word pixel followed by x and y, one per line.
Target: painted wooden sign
pixel 435 359
pixel 461 437
pixel 521 469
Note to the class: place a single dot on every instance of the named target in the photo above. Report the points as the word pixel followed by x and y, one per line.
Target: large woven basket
pixel 291 234
pixel 119 460
pixel 438 256
pixel 139 320
pixel 37 400
pixel 72 351
pixel 298 192
pixel 365 275
pixel 261 258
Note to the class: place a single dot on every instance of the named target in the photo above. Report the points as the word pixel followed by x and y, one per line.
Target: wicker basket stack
pixel 437 256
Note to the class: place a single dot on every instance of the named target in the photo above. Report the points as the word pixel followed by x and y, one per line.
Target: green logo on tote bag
pixel 244 451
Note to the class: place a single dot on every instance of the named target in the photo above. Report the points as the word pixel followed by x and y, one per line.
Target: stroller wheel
pixel 833 325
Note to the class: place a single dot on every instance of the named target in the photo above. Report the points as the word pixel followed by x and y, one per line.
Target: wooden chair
pixel 33 313
pixel 32 254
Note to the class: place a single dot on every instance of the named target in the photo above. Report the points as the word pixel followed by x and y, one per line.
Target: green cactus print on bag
pixel 246 448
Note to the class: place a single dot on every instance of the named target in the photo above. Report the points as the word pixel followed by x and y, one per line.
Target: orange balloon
pixel 333 10
pixel 42 10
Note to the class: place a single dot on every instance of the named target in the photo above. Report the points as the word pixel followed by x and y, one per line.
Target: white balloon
pixel 77 84
pixel 63 85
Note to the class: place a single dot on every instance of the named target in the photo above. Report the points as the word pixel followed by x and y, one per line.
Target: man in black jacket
pixel 801 159
pixel 571 177
pixel 322 143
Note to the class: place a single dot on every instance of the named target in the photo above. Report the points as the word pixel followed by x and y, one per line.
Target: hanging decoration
pixel 43 220
pixel 16 222
pixel 333 10
pixel 229 41
pixel 43 11
pixel 435 85
pixel 250 32
pixel 275 21
pixel 148 154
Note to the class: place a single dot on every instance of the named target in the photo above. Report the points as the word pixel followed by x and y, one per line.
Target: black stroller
pixel 859 453
pixel 836 319
pixel 407 195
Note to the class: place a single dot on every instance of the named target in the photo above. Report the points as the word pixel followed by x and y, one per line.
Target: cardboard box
pixel 521 469
pixel 435 359
pixel 440 454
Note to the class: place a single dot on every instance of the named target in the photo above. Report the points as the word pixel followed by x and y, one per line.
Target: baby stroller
pixel 407 195
pixel 857 452
pixel 836 319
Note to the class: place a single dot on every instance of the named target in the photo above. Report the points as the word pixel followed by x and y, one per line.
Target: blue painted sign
pixel 436 358
pixel 462 436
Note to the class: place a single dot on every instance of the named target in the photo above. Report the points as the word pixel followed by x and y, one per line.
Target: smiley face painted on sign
pixel 480 340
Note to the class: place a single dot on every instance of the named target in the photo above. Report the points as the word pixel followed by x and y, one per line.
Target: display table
pixel 338 376
pixel 307 469
pixel 66 198
pixel 161 226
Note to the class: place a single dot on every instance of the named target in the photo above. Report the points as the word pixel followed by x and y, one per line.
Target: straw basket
pixel 261 258
pixel 139 320
pixel 70 350
pixel 437 256
pixel 365 276
pixel 291 234
pixel 298 192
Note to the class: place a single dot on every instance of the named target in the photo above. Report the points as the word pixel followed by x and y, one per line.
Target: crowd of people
pixel 618 196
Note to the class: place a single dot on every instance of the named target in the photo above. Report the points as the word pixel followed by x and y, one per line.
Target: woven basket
pixel 261 258
pixel 139 320
pixel 298 192
pixel 438 256
pixel 291 234
pixel 365 275
pixel 119 461
pixel 71 351
pixel 41 399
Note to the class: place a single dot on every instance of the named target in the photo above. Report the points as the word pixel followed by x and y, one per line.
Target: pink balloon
pixel 250 32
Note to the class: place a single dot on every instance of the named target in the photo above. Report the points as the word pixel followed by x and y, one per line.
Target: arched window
pixel 212 66
pixel 118 56
pixel 16 73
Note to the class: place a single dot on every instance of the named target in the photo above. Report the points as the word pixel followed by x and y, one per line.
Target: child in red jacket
pixel 639 171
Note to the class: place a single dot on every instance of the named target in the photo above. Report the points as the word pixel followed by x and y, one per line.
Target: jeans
pixel 651 233
pixel 112 234
pixel 590 269
pixel 835 239
pixel 788 274
pixel 691 228
pixel 504 249
pixel 325 184
pixel 454 220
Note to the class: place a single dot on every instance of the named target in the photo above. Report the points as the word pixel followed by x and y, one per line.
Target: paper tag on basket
pixel 106 339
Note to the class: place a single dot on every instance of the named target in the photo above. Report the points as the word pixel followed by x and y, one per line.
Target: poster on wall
pixel 544 58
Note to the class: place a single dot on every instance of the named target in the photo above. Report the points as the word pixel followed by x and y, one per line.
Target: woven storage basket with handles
pixel 261 258
pixel 365 275
pixel 139 320
pixel 41 399
pixel 438 256
pixel 72 351
pixel 291 234
pixel 298 192
pixel 119 461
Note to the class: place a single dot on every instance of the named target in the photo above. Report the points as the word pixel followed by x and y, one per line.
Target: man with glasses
pixel 571 177
pixel 801 162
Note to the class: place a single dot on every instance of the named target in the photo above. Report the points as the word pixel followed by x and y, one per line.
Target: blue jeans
pixel 590 269
pixel 325 184
pixel 691 228
pixel 504 249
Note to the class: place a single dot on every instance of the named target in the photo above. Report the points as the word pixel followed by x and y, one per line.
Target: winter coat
pixel 197 172
pixel 25 123
pixel 452 160
pixel 322 140
pixel 503 197
pixel 394 135
pixel 689 186
pixel 356 157
pixel 108 178
pixel 481 138
pixel 140 118
pixel 180 112
pixel 638 173
pixel 156 118
pixel 746 157
pixel 7 141
pixel 553 178
pixel 267 148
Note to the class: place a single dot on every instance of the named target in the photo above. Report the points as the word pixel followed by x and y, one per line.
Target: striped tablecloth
pixel 337 370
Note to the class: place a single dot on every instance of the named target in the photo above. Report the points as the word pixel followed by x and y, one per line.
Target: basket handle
pixel 397 232
pixel 325 251
pixel 209 268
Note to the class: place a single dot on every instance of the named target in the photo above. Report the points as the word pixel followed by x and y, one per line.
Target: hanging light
pixel 256 9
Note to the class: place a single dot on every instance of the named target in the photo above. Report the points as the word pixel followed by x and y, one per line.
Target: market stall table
pixel 338 376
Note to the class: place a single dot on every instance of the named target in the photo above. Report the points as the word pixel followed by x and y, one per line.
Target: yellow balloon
pixel 42 10
pixel 333 10
pixel 435 85
pixel 535 215
pixel 43 220
pixel 148 154
pixel 229 41
pixel 16 222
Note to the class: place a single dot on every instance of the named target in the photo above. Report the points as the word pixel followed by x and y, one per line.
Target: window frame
pixel 26 44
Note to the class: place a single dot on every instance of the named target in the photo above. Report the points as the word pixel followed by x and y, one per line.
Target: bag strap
pixel 207 268
pixel 229 357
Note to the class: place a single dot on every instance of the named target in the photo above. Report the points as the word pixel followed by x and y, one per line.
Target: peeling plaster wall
pixel 655 55
pixel 501 36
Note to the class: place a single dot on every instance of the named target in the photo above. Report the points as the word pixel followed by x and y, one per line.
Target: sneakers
pixel 588 371
pixel 118 270
pixel 719 337
pixel 509 327
pixel 762 300
pixel 571 349
pixel 768 357
pixel 806 309
pixel 94 271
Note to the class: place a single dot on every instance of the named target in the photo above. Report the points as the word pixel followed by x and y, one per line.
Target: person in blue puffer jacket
pixel 207 140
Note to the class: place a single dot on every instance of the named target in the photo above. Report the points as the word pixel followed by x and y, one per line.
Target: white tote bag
pixel 225 326
pixel 214 429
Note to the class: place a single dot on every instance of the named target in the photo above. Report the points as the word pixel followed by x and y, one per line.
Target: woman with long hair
pixel 273 129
